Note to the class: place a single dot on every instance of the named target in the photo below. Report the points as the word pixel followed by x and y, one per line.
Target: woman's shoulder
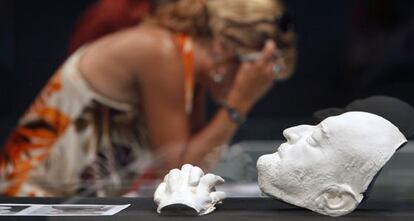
pixel 151 41
pixel 150 50
pixel 156 58
pixel 137 43
pixel 139 48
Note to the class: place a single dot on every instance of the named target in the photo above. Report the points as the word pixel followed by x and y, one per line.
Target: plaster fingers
pixel 173 180
pixel 185 174
pixel 195 176
pixel 160 192
pixel 189 186
pixel 217 196
pixel 208 182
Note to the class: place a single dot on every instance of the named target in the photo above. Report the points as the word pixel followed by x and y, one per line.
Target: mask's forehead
pixel 348 127
pixel 345 141
pixel 363 135
pixel 335 123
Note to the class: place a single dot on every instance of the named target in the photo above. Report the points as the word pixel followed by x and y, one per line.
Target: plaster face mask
pixel 327 168
pixel 188 192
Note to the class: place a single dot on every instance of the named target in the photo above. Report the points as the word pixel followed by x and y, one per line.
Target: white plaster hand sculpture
pixel 188 187
pixel 327 168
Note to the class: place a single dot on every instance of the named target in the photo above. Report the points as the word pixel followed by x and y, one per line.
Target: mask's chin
pixel 279 190
pixel 276 182
pixel 267 167
pixel 267 163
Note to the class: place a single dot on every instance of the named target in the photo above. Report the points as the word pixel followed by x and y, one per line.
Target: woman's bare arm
pixel 162 95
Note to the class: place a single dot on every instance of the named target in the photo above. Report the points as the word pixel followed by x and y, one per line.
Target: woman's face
pixel 224 55
pixel 223 70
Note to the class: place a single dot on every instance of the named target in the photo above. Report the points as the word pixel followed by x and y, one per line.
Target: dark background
pixel 348 49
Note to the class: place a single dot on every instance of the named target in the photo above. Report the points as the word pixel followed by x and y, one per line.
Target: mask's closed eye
pixel 317 136
pixel 311 141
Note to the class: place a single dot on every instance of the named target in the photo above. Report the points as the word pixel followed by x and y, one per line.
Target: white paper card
pixel 60 209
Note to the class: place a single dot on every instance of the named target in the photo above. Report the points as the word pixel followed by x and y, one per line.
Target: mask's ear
pixel 338 200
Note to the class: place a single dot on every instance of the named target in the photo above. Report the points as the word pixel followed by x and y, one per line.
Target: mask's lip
pixel 281 150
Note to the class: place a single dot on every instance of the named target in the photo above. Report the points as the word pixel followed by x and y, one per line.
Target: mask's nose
pixel 291 136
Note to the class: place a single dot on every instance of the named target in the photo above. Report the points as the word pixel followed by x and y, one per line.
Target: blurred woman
pixel 138 95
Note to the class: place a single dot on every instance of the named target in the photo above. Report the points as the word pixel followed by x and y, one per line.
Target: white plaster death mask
pixel 188 192
pixel 327 168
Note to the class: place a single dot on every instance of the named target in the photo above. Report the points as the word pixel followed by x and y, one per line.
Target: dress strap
pixel 185 46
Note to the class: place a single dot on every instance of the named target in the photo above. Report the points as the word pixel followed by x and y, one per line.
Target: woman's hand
pixel 253 80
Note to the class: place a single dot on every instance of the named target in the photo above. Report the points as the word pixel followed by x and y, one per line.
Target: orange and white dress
pixel 73 141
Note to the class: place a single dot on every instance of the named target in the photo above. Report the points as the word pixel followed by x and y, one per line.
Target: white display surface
pixel 60 209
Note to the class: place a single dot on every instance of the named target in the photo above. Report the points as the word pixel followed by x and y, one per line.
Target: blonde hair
pixel 244 25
